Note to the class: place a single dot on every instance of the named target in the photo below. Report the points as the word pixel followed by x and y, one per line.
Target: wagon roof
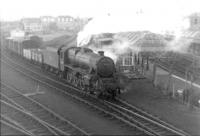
pixel 31 44
pixel 18 39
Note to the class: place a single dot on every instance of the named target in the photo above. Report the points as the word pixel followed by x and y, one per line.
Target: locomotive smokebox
pixel 101 53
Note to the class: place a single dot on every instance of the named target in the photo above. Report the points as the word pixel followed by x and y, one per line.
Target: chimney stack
pixel 101 53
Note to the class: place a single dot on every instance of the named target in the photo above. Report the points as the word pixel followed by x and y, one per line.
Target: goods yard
pixel 117 111
pixel 123 83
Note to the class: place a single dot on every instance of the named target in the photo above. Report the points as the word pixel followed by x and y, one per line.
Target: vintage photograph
pixel 100 67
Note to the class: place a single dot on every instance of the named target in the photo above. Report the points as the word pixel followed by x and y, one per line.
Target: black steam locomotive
pixel 91 72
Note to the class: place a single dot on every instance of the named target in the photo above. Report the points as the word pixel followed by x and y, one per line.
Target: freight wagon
pixel 37 56
pixel 51 59
pixel 91 72
pixel 17 45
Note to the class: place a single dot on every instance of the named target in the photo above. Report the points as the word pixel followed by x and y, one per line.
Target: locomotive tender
pixel 91 72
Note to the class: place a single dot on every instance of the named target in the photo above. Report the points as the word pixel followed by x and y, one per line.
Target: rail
pixel 126 118
pixel 43 113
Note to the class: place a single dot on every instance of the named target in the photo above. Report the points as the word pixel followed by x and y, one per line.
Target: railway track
pixel 145 120
pixel 180 64
pixel 100 108
pixel 77 95
pixel 122 113
pixel 32 125
pixel 8 100
pixel 48 118
pixel 8 129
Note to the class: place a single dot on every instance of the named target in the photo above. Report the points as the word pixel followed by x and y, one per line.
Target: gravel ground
pixel 76 112
pixel 6 130
pixel 142 93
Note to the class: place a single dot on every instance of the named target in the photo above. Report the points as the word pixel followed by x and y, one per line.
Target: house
pixel 64 22
pixel 48 23
pixel 32 25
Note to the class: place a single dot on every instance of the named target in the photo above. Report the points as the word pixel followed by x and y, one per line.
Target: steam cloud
pixel 143 22
pixel 115 49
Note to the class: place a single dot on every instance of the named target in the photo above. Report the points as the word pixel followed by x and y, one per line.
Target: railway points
pixel 8 129
pixel 98 121
pixel 44 114
pixel 114 83
pixel 23 118
pixel 84 101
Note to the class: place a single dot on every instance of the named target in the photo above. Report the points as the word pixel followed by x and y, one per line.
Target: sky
pixel 16 9
pixel 159 16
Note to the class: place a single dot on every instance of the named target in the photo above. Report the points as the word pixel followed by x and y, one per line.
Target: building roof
pixel 145 40
pixel 192 34
pixel 46 17
pixel 197 14
pixel 66 16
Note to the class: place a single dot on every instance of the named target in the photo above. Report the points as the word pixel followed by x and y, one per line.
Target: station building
pixel 134 57
pixel 141 45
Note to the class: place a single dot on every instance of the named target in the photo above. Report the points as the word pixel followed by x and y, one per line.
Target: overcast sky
pixel 16 9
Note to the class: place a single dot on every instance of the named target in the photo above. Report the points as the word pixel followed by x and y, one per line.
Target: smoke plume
pixel 159 24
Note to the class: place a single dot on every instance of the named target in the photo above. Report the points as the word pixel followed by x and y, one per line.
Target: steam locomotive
pixel 91 72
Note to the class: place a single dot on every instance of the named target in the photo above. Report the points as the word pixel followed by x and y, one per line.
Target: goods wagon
pixel 37 56
pixel 18 45
pixel 15 46
pixel 32 42
pixel 51 57
pixel 91 72
pixel 27 53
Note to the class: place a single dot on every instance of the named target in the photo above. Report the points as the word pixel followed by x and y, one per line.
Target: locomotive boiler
pixel 95 71
pixel 94 63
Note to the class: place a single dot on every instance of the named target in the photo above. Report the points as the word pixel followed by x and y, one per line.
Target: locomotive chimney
pixel 101 53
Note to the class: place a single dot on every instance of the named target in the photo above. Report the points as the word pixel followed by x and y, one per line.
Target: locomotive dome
pixel 105 67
